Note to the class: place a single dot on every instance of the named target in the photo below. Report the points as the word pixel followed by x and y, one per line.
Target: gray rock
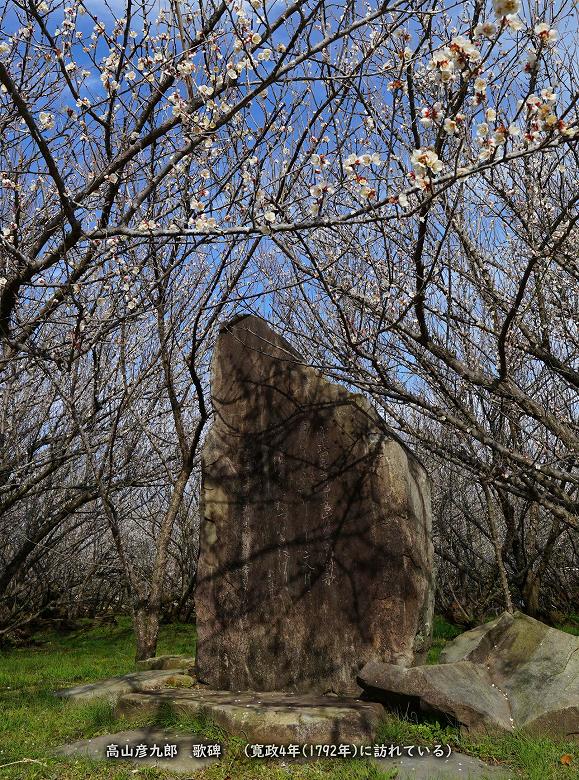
pixel 536 666
pixel 273 718
pixel 463 691
pixel 113 687
pixel 513 672
pixel 315 550
pixel 167 662
pixel 183 762
pixel 456 767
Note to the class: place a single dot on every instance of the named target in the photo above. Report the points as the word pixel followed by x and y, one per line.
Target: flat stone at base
pixel 273 718
pixel 167 662
pixel 113 687
pixel 454 767
pixel 183 762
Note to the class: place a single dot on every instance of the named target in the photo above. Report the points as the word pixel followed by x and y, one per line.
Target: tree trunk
pixel 498 551
pixel 146 623
pixel 147 614
pixel 531 592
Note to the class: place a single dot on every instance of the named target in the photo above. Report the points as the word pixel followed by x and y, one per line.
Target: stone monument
pixel 315 542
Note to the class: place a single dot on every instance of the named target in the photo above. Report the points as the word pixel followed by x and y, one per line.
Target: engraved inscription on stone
pixel 315 553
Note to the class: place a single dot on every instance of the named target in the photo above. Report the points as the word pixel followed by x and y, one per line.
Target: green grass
pixel 442 632
pixel 570 628
pixel 33 721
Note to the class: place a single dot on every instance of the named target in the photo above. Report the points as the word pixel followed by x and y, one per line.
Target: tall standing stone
pixel 315 550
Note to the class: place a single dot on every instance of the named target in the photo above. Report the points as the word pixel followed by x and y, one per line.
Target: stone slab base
pixel 113 687
pixel 183 762
pixel 273 718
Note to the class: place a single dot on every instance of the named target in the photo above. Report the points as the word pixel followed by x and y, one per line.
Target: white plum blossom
pixel 205 223
pixel 533 102
pixel 319 160
pixel 482 130
pixel 450 126
pixel 318 190
pixel 548 95
pixel 514 23
pixel 500 135
pixel 464 51
pixel 46 120
pixel 488 29
pixel 370 159
pixel 148 224
pixel 185 68
pixel 442 66
pixel 368 192
pixel 361 159
pixel 531 60
pixel 503 8
pixel 430 115
pixel 425 161
pixel 546 33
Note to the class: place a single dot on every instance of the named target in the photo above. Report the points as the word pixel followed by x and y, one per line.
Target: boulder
pixel 537 667
pixel 462 691
pixel 315 543
pixel 167 662
pixel 513 672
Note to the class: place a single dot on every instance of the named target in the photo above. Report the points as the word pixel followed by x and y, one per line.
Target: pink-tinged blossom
pixel 546 33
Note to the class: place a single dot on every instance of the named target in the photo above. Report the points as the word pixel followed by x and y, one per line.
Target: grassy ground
pixel 33 721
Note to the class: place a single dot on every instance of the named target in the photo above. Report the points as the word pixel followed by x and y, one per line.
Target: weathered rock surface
pixel 315 552
pixel 113 687
pixel 536 666
pixel 167 662
pixel 513 672
pixel 456 767
pixel 273 718
pixel 182 763
pixel 463 691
